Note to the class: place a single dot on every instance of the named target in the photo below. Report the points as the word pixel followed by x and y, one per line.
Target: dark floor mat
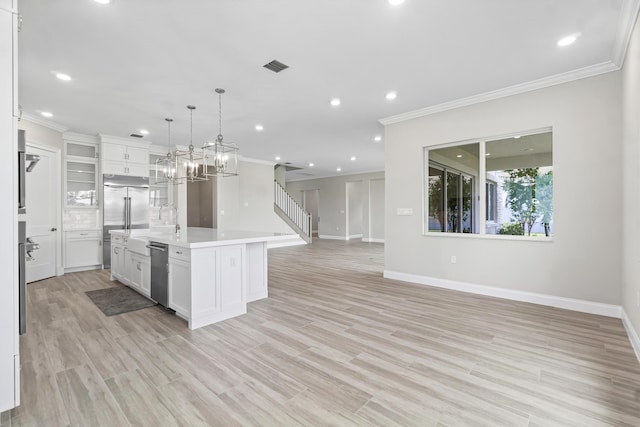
pixel 118 300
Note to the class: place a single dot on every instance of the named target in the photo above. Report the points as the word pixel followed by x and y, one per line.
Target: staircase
pixel 291 212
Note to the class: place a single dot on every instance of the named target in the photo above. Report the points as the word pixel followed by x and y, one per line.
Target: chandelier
pixel 220 157
pixel 190 163
pixel 166 166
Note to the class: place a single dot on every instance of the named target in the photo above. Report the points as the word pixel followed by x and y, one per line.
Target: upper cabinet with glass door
pixel 81 174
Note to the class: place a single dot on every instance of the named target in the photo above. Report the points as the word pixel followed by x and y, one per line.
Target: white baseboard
pixel 354 236
pixel 326 236
pixel 284 243
pixel 591 307
pixel 372 240
pixel 632 333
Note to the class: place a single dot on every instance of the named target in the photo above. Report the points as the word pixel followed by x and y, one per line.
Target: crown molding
pixel 43 122
pixel 80 137
pixel 581 73
pixel 626 23
pixel 121 140
pixel 242 158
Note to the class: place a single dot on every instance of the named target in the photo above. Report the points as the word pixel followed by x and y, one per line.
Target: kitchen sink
pixel 138 245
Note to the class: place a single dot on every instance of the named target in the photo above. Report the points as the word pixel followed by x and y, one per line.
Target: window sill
pixel 489 237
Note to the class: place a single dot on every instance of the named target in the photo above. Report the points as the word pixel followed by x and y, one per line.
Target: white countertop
pixel 196 237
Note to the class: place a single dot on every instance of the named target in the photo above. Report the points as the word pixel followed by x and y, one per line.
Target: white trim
pixel 322 236
pixel 121 140
pixel 584 306
pixel 372 240
pixel 634 338
pixel 43 122
pixel 242 158
pixel 354 236
pixel 79 137
pixel 337 175
pixel 297 241
pixel 626 22
pixel 581 73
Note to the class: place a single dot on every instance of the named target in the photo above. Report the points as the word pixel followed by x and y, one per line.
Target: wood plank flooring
pixel 334 344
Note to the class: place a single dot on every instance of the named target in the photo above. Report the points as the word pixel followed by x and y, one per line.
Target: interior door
pixel 41 191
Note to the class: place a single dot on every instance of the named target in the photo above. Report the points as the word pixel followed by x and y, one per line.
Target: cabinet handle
pixel 82 234
pixel 139 267
pixel 116 251
pixel 178 253
pixel 54 229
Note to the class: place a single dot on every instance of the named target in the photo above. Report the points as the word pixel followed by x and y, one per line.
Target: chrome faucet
pixel 177 229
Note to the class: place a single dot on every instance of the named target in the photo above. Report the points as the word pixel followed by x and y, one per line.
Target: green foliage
pixel 512 229
pixel 529 197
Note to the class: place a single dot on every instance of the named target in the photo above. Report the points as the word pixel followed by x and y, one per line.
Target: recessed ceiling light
pixel 566 41
pixel 516 137
pixel 459 155
pixel 144 132
pixel 528 149
pixel 277 157
pixel 63 77
pixel 488 154
pixel 311 165
pixel 353 158
pixel 338 170
pixel 391 95
pixel 46 114
pixel 103 1
pixel 377 138
pixel 335 102
pixel 395 2
pixel 259 127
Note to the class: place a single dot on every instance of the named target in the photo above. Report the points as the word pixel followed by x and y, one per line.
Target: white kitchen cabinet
pixel 118 261
pixel 82 250
pixel 139 273
pixel 180 281
pixel 120 158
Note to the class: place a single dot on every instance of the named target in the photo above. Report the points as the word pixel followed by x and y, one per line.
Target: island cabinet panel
pixel 257 275
pixel 232 288
pixel 180 286
pixel 140 273
pixel 118 261
pixel 218 285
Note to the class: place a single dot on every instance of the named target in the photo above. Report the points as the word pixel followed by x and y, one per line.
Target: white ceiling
pixel 135 62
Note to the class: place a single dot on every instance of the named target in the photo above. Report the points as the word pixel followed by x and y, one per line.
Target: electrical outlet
pixel 453 259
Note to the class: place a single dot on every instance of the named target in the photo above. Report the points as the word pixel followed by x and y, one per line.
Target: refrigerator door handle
pixel 126 215
pixel 129 208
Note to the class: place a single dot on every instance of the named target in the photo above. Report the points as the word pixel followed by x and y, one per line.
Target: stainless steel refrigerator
pixel 125 207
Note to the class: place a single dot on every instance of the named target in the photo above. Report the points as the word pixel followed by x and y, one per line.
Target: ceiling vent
pixel 276 66
pixel 135 135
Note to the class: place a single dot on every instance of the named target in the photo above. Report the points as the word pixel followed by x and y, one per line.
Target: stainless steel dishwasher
pixel 159 272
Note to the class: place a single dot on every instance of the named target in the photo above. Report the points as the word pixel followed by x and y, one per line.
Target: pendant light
pixel 190 163
pixel 166 166
pixel 221 158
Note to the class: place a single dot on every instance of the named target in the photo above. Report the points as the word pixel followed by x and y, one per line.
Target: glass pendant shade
pixel 166 166
pixel 189 163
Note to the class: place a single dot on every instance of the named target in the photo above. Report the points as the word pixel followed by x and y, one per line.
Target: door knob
pixel 54 229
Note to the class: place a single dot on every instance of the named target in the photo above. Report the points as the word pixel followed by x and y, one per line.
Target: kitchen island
pixel 212 274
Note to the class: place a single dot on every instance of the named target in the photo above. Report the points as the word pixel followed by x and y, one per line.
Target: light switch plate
pixel 404 211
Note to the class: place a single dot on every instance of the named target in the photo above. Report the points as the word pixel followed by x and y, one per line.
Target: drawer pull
pixel 178 253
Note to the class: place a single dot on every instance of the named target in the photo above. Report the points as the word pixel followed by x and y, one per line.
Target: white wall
pixel 631 167
pixel 583 260
pixel 376 209
pixel 245 202
pixel 332 206
pixel 354 209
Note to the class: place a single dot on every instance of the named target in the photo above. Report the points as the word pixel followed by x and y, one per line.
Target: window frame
pixel 479 199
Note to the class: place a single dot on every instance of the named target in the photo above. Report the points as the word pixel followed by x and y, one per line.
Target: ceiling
pixel 133 63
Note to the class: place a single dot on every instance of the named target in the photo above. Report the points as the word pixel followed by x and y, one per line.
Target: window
pixel 515 175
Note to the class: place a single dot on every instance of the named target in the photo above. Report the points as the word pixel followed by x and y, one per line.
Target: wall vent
pixel 135 135
pixel 275 66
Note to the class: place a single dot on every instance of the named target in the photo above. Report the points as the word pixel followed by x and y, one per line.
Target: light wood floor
pixel 335 344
